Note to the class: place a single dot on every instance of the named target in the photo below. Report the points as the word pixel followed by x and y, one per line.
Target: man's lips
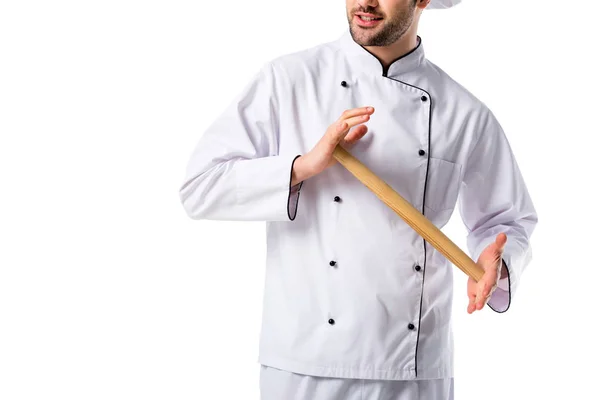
pixel 366 20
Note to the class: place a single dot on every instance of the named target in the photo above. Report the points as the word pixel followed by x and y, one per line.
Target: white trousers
pixel 276 384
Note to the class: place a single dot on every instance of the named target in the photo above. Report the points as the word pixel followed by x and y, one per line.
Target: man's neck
pixel 388 54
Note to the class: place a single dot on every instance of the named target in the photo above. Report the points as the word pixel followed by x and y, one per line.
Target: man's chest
pixel 408 144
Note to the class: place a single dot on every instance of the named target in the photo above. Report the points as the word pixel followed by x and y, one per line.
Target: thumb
pixel 501 241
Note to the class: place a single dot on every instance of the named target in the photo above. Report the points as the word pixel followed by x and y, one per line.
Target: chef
pixel 357 305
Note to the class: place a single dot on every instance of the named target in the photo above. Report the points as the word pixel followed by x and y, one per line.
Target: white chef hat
pixel 435 4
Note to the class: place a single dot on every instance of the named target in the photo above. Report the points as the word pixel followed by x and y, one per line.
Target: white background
pixel 109 291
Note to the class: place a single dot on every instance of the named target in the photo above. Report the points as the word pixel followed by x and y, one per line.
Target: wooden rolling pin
pixel 408 213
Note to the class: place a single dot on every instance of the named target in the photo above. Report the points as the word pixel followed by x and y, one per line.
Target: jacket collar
pixel 363 60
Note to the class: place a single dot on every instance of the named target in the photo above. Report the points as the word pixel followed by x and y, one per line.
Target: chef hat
pixel 442 4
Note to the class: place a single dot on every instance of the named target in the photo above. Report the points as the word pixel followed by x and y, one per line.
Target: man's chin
pixel 363 36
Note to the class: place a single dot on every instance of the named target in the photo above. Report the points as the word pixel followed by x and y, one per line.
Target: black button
pixel 331 322
pixel 336 198
pixel 332 263
pixel 423 98
pixel 411 326
pixel 421 152
pixel 344 84
pixel 417 268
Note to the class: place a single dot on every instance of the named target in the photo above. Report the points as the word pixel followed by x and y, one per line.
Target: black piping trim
pixel 290 191
pixel 423 209
pixel 385 70
pixel 509 292
pixel 384 74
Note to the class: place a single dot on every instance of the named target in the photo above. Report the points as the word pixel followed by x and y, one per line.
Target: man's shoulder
pixel 450 93
pixel 308 58
pixel 447 87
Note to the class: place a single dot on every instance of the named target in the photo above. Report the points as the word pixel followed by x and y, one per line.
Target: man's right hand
pixel 320 157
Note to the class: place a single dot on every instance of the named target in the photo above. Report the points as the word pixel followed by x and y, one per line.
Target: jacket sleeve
pixel 236 171
pixel 493 198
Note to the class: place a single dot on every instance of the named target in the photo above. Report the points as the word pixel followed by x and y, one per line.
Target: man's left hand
pixel 491 262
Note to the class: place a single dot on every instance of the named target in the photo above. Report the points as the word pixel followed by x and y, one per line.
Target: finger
pixel 347 120
pixel 355 112
pixel 351 122
pixel 356 134
pixel 471 286
pixel 333 136
pixel 471 306
pixel 342 128
pixel 471 294
pixel 480 298
pixel 484 289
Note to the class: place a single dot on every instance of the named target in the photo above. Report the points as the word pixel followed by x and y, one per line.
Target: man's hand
pixel 320 157
pixel 491 262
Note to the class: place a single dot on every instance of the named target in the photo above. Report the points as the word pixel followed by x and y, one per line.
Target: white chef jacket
pixel 351 290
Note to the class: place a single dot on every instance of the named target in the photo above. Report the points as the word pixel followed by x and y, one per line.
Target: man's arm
pixel 494 199
pixel 236 171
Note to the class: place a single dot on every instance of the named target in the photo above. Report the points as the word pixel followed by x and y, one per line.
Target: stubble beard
pixel 391 31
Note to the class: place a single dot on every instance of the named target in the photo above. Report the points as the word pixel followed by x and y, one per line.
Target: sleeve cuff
pixel 499 301
pixel 263 190
pixel 294 194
